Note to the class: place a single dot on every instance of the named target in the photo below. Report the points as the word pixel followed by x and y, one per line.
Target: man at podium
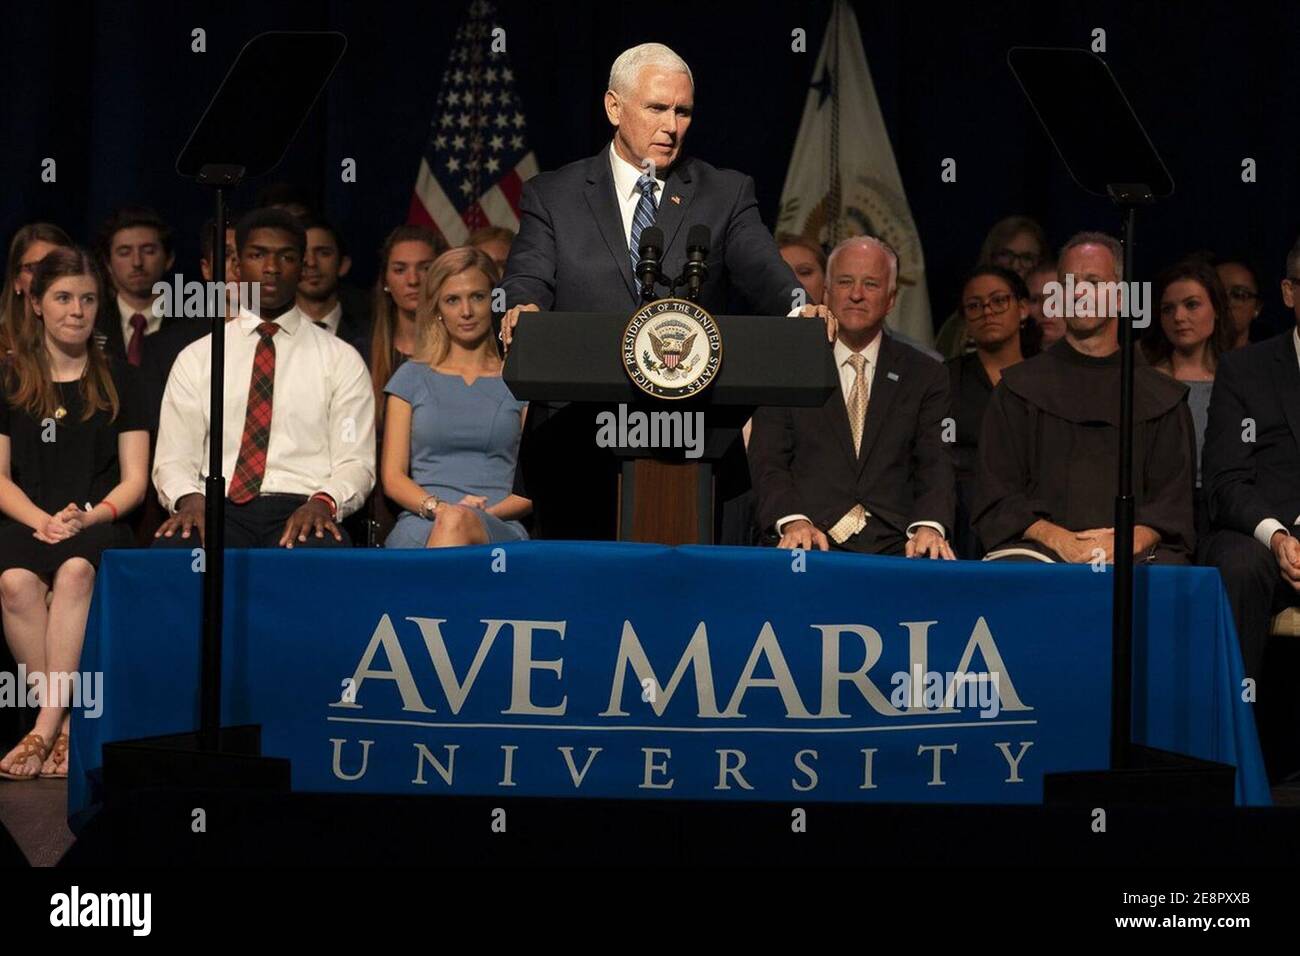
pixel 577 251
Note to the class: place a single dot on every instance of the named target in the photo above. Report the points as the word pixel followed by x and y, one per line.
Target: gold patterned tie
pixel 857 402
pixel 856 406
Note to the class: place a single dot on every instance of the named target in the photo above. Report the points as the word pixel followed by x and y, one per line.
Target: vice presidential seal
pixel 672 349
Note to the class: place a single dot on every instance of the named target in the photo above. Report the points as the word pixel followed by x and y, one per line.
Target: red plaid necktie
pixel 135 348
pixel 251 464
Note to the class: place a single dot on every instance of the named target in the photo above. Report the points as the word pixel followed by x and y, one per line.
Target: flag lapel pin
pixel 892 376
pixel 676 200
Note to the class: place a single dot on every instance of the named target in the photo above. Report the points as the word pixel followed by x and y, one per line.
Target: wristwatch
pixel 429 506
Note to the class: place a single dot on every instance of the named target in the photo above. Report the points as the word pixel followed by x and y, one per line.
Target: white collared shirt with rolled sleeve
pixel 322 420
pixel 848 376
pixel 1265 530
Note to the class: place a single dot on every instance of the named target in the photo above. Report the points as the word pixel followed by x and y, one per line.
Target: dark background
pixel 111 91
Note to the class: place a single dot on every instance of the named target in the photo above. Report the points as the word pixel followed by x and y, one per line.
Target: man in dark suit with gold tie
pixel 868 471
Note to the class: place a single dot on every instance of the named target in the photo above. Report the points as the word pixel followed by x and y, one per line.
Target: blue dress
pixel 464 441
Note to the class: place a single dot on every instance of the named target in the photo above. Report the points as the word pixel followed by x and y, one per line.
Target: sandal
pixel 59 754
pixel 33 745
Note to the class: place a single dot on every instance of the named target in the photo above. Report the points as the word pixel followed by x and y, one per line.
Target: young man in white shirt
pixel 299 441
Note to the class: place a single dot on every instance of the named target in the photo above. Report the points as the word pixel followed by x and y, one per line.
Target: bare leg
pixel 74 583
pixel 456 526
pixel 22 601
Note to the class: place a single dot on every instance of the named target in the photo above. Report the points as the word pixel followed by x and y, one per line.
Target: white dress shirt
pixel 1265 530
pixel 152 323
pixel 848 378
pixel 625 188
pixel 322 419
pixel 331 318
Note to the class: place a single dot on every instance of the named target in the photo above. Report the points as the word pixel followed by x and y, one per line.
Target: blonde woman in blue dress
pixel 452 428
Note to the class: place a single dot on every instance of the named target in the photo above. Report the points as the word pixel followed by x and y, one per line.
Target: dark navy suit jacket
pixel 571 254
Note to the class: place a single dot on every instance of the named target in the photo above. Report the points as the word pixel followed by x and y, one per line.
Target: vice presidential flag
pixel 477 157
pixel 843 180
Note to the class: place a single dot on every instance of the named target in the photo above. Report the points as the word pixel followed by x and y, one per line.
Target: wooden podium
pixel 663 496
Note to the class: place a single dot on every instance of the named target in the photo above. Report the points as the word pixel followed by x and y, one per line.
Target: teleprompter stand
pixel 1121 164
pixel 245 131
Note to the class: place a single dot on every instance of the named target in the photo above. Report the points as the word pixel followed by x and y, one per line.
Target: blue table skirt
pixel 299 626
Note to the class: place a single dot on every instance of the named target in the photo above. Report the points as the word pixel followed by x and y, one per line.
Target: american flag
pixel 477 158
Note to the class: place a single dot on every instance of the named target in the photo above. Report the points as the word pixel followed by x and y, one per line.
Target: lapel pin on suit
pixel 676 200
pixel 892 376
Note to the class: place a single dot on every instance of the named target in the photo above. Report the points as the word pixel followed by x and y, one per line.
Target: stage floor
pixel 35 814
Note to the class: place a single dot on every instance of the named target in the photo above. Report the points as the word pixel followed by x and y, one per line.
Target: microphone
pixel 698 240
pixel 649 253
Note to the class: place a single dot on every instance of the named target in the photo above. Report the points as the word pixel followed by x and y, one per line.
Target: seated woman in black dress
pixel 73 462
pixel 994 306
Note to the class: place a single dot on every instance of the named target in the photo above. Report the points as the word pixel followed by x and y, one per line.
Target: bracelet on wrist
pixel 111 507
pixel 429 507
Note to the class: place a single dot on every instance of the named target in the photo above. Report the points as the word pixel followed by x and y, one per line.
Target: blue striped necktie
pixel 644 217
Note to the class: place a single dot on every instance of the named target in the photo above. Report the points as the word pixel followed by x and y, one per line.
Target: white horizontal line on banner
pixel 684 730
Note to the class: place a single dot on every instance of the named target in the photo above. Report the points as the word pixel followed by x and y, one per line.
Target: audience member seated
pixel 995 304
pixel 1193 331
pixel 808 261
pixel 71 431
pixel 1252 477
pixel 1016 243
pixel 1049 445
pixel 1051 327
pixel 452 435
pixel 299 450
pixel 169 341
pixel 1244 300
pixel 29 246
pixel 136 246
pixel 164 346
pixel 326 263
pixel 495 241
pixel 404 258
pixel 868 471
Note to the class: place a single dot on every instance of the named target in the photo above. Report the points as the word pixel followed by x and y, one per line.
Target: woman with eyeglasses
pixel 1016 243
pixel 1244 301
pixel 1195 327
pixel 994 305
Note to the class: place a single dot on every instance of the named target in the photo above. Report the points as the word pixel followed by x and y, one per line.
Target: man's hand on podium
pixel 509 321
pixel 821 312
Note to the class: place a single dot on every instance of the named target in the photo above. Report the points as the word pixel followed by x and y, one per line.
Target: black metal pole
pixel 215 500
pixel 1121 716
